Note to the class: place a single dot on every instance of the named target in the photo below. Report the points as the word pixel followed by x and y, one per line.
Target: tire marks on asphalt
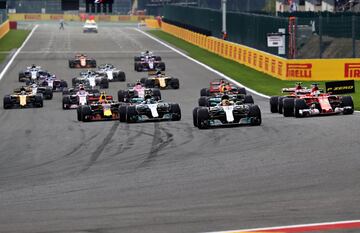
pixel 96 154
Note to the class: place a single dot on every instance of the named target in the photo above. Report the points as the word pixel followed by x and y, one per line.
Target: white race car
pixel 90 26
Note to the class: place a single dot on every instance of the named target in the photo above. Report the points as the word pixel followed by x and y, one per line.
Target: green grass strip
pixel 251 78
pixel 12 40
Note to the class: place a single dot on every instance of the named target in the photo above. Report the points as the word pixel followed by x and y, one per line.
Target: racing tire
pixel 299 104
pixel 175 112
pixel 39 101
pixel 74 81
pixel 130 114
pixel 137 58
pixel 7 102
pixel 65 91
pixel 27 82
pixel 156 93
pixel 274 104
pixel 280 104
pixel 157 58
pixel 85 111
pixel 48 93
pixel 121 95
pixel 204 101
pixel 143 80
pixel 195 116
pixel 205 92
pixel 255 114
pixel 347 101
pixel 104 83
pixel 63 84
pixel 78 113
pixel 71 64
pixel 122 113
pixel 66 102
pixel 248 99
pixel 92 63
pixel 121 76
pixel 149 83
pixel 137 67
pixel 288 107
pixel 21 77
pixel 162 66
pixel 175 84
pixel 242 90
pixel 203 118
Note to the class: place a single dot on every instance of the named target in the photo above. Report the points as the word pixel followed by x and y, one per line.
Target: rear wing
pixel 154 72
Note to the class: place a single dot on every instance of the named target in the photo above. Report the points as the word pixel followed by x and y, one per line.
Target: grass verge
pixel 13 39
pixel 253 79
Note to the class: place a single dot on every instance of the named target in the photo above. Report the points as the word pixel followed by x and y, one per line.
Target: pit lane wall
pixel 4 28
pixel 68 17
pixel 278 67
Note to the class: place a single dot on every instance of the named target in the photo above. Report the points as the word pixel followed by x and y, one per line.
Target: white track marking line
pixel 17 52
pixel 203 65
pixel 281 228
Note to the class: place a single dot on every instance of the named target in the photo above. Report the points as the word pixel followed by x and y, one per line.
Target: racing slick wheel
pixel 122 113
pixel 39 101
pixel 248 99
pixel 174 83
pixel 130 114
pixel 288 107
pixel 175 112
pixel 299 104
pixel 204 101
pixel 205 92
pixel 346 102
pixel 195 117
pixel 7 102
pixel 274 104
pixel 104 83
pixel 255 115
pixel 203 118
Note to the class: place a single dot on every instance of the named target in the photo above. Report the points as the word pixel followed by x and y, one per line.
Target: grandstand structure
pixel 318 5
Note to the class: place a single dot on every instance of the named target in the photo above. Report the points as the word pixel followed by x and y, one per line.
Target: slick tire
pixel 203 118
pixel 66 102
pixel 255 114
pixel 122 113
pixel 347 101
pixel 248 99
pixel 204 101
pixel 288 107
pixel 242 90
pixel 175 112
pixel 156 93
pixel 175 84
pixel 280 104
pixel 195 116
pixel 39 101
pixel 85 111
pixel 7 102
pixel 104 83
pixel 274 104
pixel 130 114
pixel 78 111
pixel 205 92
pixel 121 95
pixel 299 104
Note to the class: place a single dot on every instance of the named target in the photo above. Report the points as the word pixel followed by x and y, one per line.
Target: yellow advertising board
pixel 67 17
pixel 4 28
pixel 278 67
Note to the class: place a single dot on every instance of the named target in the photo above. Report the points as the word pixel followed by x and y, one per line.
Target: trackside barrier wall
pixel 152 23
pixel 68 17
pixel 4 28
pixel 278 67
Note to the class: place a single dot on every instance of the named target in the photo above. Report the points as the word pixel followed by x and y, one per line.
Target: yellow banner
pixel 278 67
pixel 66 17
pixel 4 28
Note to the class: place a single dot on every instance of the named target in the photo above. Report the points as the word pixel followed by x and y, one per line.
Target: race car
pixel 111 73
pixel 35 89
pixel 221 86
pixel 276 102
pixel 90 26
pixel 145 54
pixel 32 73
pixel 49 80
pixel 150 110
pixel 215 99
pixel 91 78
pixel 23 100
pixel 149 64
pixel 321 104
pixel 160 80
pixel 101 110
pixel 227 113
pixel 81 97
pixel 82 61
pixel 138 91
pixel 76 88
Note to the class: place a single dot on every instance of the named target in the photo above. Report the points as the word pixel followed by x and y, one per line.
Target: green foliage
pixel 13 39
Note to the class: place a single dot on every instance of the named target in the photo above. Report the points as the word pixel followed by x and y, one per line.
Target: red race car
pixel 222 86
pixel 82 61
pixel 315 103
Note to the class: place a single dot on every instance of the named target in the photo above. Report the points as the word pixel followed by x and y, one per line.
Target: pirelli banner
pixel 4 28
pixel 281 68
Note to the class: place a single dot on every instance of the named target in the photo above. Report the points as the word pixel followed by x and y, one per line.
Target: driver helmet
pixel 298 86
pixel 138 83
pixel 315 87
pixel 33 66
pixel 23 92
pixel 81 87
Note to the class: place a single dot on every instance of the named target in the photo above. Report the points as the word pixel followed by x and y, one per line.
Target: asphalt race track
pixel 61 175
